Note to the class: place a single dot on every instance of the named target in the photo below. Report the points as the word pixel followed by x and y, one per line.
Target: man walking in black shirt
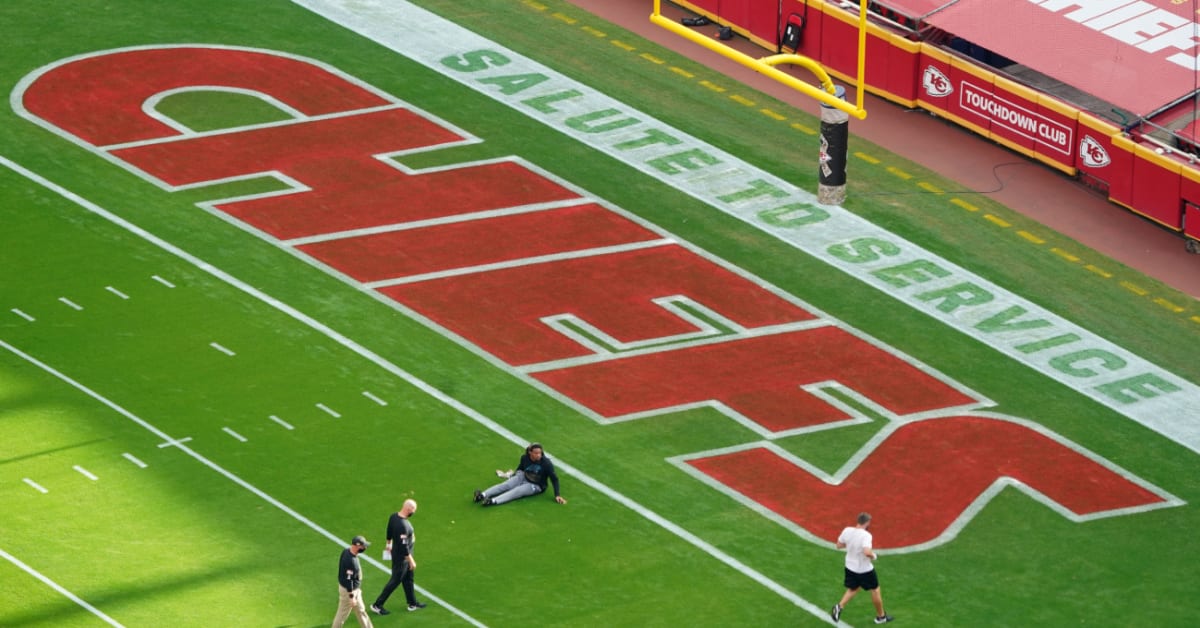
pixel 350 585
pixel 400 540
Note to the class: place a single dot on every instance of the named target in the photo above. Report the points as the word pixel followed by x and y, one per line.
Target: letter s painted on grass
pixel 476 60
pixel 864 250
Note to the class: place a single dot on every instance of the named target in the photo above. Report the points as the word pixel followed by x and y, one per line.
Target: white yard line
pixel 57 587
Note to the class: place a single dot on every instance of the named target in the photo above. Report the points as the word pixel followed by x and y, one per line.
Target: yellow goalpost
pixel 766 65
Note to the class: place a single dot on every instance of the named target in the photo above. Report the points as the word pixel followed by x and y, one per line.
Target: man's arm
pixel 554 481
pixel 346 573
pixel 521 464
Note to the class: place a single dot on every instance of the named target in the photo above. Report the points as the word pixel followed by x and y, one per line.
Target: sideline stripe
pixel 384 364
pixel 54 585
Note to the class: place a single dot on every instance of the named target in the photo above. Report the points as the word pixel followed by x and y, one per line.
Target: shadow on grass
pixel 64 612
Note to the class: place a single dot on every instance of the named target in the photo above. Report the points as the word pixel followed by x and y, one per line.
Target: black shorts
pixel 855 580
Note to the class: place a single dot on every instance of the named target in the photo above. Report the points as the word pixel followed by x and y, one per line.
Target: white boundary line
pixel 215 467
pixel 379 361
pixel 54 585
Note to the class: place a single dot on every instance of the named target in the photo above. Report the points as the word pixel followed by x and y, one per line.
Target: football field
pixel 268 269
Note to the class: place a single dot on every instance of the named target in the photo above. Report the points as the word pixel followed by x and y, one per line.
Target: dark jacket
pixel 349 571
pixel 538 472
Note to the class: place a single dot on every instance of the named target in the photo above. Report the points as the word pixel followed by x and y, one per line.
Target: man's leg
pixel 877 600
pixel 524 489
pixel 849 595
pixel 410 587
pixel 398 567
pixel 506 485
pixel 343 608
pixel 360 611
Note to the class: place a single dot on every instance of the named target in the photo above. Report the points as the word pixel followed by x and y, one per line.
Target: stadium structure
pixel 1105 92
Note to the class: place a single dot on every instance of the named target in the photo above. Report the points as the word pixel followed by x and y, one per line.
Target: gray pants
pixel 515 487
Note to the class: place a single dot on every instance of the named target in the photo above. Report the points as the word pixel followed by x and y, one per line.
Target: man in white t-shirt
pixel 860 570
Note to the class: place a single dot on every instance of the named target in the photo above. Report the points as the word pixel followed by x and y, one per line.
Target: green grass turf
pixel 178 543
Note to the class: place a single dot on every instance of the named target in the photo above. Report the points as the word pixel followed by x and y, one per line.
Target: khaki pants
pixel 348 601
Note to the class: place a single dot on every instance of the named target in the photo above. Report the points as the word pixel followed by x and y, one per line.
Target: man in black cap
pixel 350 585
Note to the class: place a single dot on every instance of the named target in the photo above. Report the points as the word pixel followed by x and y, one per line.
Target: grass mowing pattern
pixel 180 544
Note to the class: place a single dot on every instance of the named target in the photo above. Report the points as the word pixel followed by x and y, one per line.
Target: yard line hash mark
pixel 37 487
pixel 71 304
pixel 162 281
pixel 117 292
pixel 221 349
pixel 368 395
pixel 331 412
pixel 85 473
pixel 280 421
pixel 23 315
pixel 234 434
pixel 134 460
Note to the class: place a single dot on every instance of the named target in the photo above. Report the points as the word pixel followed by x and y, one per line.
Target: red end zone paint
pixel 759 377
pixel 501 311
pixel 99 98
pixel 468 243
pixel 750 349
pixel 924 476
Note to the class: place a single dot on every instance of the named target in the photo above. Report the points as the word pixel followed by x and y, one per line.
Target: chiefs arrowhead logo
pixel 935 83
pixel 1093 153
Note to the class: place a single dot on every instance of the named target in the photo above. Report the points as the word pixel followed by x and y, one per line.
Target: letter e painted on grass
pixel 1136 388
pixel 916 271
pixel 507 312
pixel 762 381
